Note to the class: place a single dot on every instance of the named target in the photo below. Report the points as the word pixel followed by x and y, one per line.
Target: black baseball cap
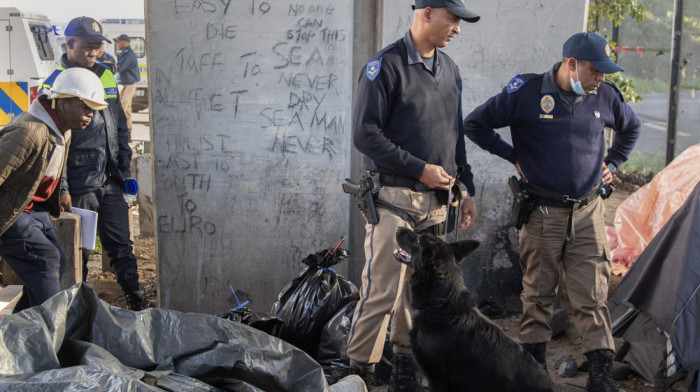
pixel 86 28
pixel 456 7
pixel 123 37
pixel 593 48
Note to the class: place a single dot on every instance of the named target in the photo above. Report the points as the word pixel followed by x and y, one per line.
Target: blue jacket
pixel 128 67
pixel 405 116
pixel 101 150
pixel 559 147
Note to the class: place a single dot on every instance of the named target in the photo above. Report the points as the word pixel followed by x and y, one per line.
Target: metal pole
pixel 673 99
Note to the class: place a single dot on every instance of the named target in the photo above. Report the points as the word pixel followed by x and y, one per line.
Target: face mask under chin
pixel 578 89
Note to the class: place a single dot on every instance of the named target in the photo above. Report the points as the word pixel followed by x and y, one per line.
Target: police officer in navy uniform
pixel 557 122
pixel 407 122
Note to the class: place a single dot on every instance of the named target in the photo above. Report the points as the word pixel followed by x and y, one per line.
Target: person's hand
pixel 65 202
pixel 468 216
pixel 435 177
pixel 607 175
pixel 520 171
pixel 131 187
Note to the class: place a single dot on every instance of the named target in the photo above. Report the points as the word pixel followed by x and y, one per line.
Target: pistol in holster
pixel 523 203
pixel 364 193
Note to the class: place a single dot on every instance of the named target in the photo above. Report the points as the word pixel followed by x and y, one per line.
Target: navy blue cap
pixel 593 48
pixel 456 7
pixel 86 28
pixel 123 37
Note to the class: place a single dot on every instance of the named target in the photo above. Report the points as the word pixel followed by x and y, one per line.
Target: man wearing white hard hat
pixel 98 170
pixel 33 151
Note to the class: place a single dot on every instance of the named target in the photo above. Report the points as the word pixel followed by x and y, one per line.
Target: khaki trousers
pixel 385 288
pixel 586 265
pixel 126 95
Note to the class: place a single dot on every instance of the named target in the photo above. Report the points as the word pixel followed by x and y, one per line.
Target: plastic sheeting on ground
pixel 644 213
pixel 75 341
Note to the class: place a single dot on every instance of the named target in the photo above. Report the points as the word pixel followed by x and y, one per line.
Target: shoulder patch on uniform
pixel 614 86
pixel 373 68
pixel 48 82
pixel 516 83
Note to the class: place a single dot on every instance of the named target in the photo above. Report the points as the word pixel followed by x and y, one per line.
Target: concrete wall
pixel 251 105
pixel 512 37
pixel 251 110
pixel 141 169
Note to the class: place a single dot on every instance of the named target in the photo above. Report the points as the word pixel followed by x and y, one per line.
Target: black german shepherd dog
pixel 457 348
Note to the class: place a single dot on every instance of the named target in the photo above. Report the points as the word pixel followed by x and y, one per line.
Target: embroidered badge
pixel 96 26
pixel 547 103
pixel 608 51
pixel 373 67
pixel 515 84
pixel 596 114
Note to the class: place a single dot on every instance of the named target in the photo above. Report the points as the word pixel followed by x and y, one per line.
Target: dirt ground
pixel 567 343
pixel 105 283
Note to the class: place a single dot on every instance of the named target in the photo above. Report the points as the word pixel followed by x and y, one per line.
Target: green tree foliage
pixel 615 11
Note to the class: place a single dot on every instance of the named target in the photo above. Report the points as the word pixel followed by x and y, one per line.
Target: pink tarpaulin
pixel 644 213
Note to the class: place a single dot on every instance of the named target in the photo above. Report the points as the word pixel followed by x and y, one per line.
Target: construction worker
pixel 34 149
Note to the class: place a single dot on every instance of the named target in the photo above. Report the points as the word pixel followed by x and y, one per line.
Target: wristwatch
pixel 612 168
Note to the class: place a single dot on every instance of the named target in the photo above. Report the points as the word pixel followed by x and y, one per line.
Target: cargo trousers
pixel 31 248
pixel 385 290
pixel 114 231
pixel 586 265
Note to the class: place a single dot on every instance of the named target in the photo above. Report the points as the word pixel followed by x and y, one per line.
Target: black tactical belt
pixel 564 201
pixel 582 201
pixel 403 182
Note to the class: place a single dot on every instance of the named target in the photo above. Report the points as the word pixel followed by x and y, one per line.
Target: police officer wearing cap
pixel 557 122
pixel 407 123
pixel 98 170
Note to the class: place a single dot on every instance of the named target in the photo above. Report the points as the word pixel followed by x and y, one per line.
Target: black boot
pixel 136 300
pixel 405 376
pixel 600 368
pixel 365 371
pixel 538 351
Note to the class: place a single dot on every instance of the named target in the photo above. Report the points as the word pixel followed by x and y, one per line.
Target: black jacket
pixel 102 149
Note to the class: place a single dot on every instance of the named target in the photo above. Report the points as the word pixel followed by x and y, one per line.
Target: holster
pixel 523 204
pixel 364 193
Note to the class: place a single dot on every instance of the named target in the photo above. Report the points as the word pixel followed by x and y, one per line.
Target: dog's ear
pixel 462 248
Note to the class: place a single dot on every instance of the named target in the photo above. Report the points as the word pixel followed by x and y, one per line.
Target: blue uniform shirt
pixel 406 116
pixel 559 146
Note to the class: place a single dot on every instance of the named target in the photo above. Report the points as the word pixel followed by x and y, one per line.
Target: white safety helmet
pixel 80 83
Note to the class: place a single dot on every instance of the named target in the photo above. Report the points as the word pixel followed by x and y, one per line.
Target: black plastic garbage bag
pixel 75 341
pixel 312 298
pixel 269 324
pixel 333 344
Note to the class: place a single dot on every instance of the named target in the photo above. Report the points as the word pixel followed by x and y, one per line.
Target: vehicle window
pixel 41 40
pixel 138 45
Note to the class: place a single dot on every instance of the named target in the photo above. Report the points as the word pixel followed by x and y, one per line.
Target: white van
pixel 136 30
pixel 28 54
